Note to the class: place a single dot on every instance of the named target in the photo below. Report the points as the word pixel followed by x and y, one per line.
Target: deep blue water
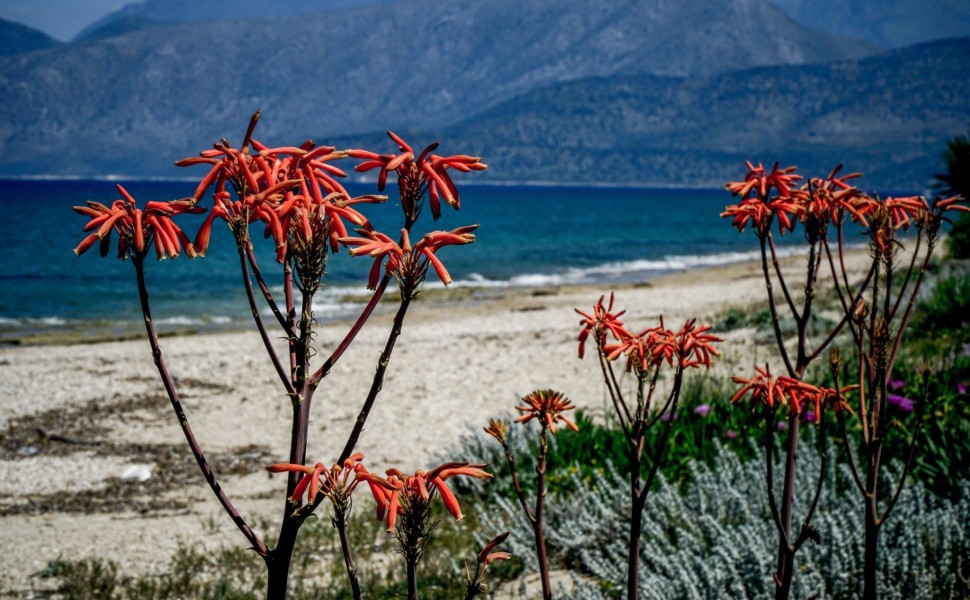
pixel 528 236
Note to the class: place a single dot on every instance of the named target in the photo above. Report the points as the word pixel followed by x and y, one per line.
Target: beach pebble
pixel 137 473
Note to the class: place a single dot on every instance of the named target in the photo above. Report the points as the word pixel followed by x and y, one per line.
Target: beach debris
pixel 137 473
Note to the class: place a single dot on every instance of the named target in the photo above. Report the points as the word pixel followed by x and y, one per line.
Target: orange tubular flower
pixel 797 395
pixel 138 229
pixel 486 556
pixel 379 246
pixel 403 260
pixel 759 183
pixel 293 190
pixel 823 200
pixel 431 242
pixel 758 205
pixel 602 320
pixel 404 493
pixel 690 347
pixel 497 428
pixel 695 346
pixel 415 173
pixel 547 406
pixel 763 387
pixel 334 483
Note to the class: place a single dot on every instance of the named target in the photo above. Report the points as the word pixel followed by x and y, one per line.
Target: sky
pixel 60 19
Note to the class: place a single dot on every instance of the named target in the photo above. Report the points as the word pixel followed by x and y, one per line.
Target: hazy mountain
pixel 888 116
pixel 16 38
pixel 890 23
pixel 139 15
pixel 133 102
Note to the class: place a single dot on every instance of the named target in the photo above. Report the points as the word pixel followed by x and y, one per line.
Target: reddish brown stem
pixel 207 473
pixel 340 522
pixel 774 311
pixel 257 274
pixel 378 381
pixel 260 326
pixel 324 369
pixel 540 538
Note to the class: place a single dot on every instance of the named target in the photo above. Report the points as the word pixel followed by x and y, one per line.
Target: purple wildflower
pixel 902 403
pixel 668 417
pixel 703 410
pixel 782 425
pixel 810 416
pixel 961 388
pixel 731 434
pixel 896 384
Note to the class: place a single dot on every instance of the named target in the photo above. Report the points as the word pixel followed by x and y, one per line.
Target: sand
pixel 82 423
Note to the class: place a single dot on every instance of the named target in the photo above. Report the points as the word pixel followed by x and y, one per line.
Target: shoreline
pixel 455 366
pixel 52 331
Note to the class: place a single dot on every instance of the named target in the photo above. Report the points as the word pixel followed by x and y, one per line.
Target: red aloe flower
pixel 378 246
pixel 602 320
pixel 414 174
pixel 403 493
pixel 763 387
pixel 905 211
pixel 309 484
pixel 759 183
pixel 487 556
pixel 690 347
pixel 293 190
pixel 695 346
pixel 823 200
pixel 335 483
pixel 138 229
pixel 758 205
pixel 497 428
pixel 547 406
pixel 639 348
pixel 787 391
pixel 404 261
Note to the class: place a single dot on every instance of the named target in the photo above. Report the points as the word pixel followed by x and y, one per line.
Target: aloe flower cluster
pixel 801 398
pixel 404 502
pixel 647 354
pixel 546 408
pixel 138 229
pixel 293 196
pixel 875 312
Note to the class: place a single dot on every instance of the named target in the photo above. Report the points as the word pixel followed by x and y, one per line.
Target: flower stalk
pixel 647 354
pixel 870 314
pixel 294 192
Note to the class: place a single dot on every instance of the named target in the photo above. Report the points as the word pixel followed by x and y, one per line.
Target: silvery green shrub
pixel 717 540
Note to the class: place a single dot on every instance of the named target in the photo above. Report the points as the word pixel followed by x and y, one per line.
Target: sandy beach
pixel 83 423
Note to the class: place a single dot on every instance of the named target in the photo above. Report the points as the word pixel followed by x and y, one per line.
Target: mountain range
pixel 656 92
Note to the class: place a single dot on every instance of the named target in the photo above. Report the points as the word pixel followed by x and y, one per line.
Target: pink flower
pixel 902 403
pixel 703 410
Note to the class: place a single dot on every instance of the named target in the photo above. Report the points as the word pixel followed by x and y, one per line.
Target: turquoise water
pixel 529 236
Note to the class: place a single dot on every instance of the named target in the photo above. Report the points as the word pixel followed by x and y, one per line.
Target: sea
pixel 529 236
